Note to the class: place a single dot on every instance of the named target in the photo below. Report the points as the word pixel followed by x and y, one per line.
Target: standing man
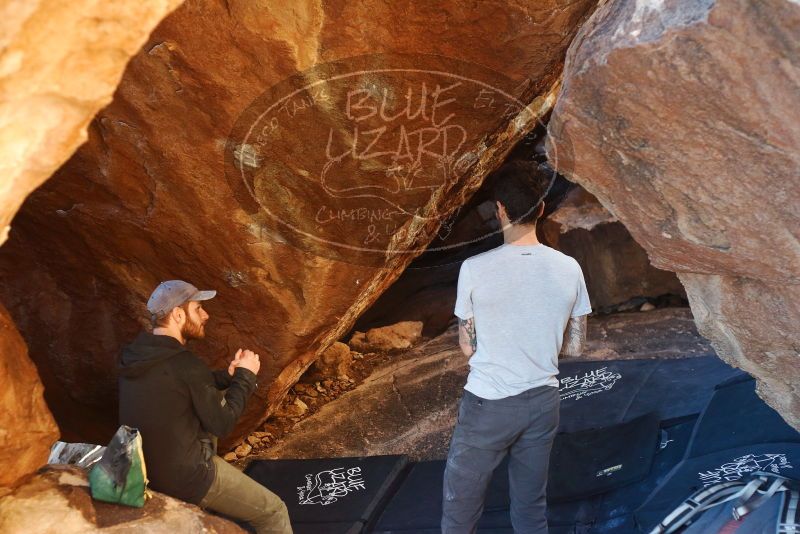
pixel 518 305
pixel 177 404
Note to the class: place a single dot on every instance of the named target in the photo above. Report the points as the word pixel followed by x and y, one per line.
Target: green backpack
pixel 120 475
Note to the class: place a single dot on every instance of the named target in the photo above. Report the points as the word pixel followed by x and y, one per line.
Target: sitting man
pixel 175 401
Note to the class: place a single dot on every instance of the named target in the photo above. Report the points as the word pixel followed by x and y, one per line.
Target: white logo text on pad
pixel 327 487
pixel 738 467
pixel 580 386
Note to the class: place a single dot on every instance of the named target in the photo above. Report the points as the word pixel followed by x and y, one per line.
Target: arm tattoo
pixel 466 334
pixel 574 337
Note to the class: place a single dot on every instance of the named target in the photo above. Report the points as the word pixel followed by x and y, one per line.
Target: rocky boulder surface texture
pixel 27 428
pixel 56 499
pixel 59 65
pixel 683 119
pixel 294 156
pixel 615 267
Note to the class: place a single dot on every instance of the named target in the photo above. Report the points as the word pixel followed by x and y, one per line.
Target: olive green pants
pixel 238 496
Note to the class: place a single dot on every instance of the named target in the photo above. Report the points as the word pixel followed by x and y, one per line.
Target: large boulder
pixel 615 266
pixel 59 64
pixel 27 429
pixel 682 118
pixel 57 500
pixel 284 154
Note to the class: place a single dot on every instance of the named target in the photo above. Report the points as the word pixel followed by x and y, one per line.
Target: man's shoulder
pixel 559 256
pixel 483 257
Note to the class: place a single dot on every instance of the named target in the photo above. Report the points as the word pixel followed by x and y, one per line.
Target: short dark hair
pixel 520 186
pixel 157 321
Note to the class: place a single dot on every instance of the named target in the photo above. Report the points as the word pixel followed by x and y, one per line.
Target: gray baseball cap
pixel 174 293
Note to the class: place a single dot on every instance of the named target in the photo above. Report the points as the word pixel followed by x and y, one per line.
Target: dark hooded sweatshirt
pixel 174 400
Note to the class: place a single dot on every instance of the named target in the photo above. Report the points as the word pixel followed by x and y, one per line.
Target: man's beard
pixel 193 330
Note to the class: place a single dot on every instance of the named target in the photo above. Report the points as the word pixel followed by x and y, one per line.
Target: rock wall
pixel 45 106
pixel 169 185
pixel 616 268
pixel 682 118
pixel 27 429
pixel 44 112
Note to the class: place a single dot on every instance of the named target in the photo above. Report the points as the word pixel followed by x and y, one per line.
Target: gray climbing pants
pixel 523 426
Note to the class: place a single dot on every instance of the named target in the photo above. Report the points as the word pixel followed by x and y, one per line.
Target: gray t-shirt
pixel 521 298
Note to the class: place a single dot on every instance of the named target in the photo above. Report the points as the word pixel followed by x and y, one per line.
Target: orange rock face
pixel 295 157
pixel 59 64
pixel 682 119
pixel 27 430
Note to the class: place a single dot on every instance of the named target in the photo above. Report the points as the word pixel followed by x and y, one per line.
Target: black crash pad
pixel 736 417
pixel 357 527
pixel 617 506
pixel 624 452
pixel 736 434
pixel 342 493
pixel 721 466
pixel 598 394
pixel 596 461
pixel 417 504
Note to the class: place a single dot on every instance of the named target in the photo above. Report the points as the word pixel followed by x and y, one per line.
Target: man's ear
pixel 178 314
pixel 500 208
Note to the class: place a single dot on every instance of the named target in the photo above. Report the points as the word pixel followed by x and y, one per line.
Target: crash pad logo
pixel 738 467
pixel 353 158
pixel 327 487
pixel 591 383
